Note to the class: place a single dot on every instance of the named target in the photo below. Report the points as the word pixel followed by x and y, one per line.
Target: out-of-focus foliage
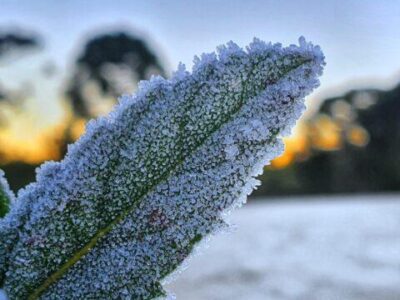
pixel 111 64
pixel 15 41
pixel 353 140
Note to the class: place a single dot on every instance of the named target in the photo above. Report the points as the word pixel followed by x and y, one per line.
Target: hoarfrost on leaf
pixel 145 184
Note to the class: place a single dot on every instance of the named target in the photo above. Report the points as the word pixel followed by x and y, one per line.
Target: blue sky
pixel 361 39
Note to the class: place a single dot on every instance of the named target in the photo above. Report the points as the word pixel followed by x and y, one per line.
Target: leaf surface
pixel 146 183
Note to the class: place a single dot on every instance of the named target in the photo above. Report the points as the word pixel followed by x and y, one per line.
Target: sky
pixel 361 39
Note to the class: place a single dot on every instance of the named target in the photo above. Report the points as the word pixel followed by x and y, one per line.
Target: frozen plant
pixel 6 195
pixel 146 183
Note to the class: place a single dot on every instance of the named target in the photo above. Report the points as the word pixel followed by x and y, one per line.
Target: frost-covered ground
pixel 346 248
pixel 310 249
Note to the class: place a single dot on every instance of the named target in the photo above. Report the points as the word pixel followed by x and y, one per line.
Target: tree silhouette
pixel 13 44
pixel 106 59
pixel 17 40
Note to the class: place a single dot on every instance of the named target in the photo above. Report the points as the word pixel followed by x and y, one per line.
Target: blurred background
pixel 63 63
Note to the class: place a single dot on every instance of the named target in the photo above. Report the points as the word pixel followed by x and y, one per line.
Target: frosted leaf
pixel 145 184
pixel 6 195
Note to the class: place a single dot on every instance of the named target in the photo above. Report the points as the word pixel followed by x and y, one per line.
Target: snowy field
pixel 345 248
pixel 310 249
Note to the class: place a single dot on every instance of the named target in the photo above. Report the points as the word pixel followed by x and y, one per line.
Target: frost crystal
pixel 145 184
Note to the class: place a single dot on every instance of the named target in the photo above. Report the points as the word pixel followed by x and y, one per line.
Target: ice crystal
pixel 146 183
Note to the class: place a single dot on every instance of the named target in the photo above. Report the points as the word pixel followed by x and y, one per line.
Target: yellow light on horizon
pixel 326 134
pixel 26 138
pixel 25 142
pixel 296 148
pixel 33 150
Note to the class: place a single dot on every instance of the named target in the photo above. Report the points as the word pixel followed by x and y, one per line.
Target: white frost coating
pixel 145 184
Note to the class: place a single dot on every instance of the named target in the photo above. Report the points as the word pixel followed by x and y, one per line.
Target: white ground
pixel 344 248
pixel 309 249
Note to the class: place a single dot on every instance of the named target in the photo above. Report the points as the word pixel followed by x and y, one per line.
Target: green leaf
pixel 6 196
